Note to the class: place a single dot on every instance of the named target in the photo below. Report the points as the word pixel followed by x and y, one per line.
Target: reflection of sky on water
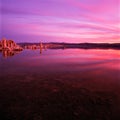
pixel 68 60
pixel 61 80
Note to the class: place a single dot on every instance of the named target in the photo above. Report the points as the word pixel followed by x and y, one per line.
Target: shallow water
pixel 61 84
pixel 68 60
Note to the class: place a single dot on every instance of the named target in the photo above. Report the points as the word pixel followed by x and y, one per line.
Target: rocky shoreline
pixel 9 45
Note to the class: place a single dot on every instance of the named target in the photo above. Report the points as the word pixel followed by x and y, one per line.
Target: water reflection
pixel 40 50
pixel 8 53
pixel 68 60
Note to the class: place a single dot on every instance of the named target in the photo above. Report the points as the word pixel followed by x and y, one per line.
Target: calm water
pixel 57 61
pixel 35 82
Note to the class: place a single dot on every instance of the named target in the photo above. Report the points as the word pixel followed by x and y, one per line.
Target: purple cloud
pixel 60 20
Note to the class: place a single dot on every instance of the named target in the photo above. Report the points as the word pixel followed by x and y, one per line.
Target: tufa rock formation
pixel 9 45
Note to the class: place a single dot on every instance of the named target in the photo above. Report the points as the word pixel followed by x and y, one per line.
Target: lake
pixel 60 84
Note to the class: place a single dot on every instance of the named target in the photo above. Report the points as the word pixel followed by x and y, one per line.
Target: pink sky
pixel 60 20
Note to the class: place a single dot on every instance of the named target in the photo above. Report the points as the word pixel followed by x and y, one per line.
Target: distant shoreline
pixel 55 45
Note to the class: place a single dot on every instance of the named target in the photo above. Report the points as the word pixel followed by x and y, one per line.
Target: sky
pixel 73 21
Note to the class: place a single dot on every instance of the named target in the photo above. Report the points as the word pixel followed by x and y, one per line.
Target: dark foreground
pixel 69 84
pixel 62 97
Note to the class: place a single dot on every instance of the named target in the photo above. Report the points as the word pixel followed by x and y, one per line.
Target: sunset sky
pixel 60 20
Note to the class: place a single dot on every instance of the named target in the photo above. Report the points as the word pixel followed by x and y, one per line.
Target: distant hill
pixel 55 45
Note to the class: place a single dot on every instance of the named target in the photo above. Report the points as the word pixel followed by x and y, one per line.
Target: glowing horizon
pixel 75 21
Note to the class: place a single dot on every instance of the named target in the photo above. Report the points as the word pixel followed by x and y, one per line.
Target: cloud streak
pixel 61 20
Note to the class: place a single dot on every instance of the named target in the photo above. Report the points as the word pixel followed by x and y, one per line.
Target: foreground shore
pixel 62 97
